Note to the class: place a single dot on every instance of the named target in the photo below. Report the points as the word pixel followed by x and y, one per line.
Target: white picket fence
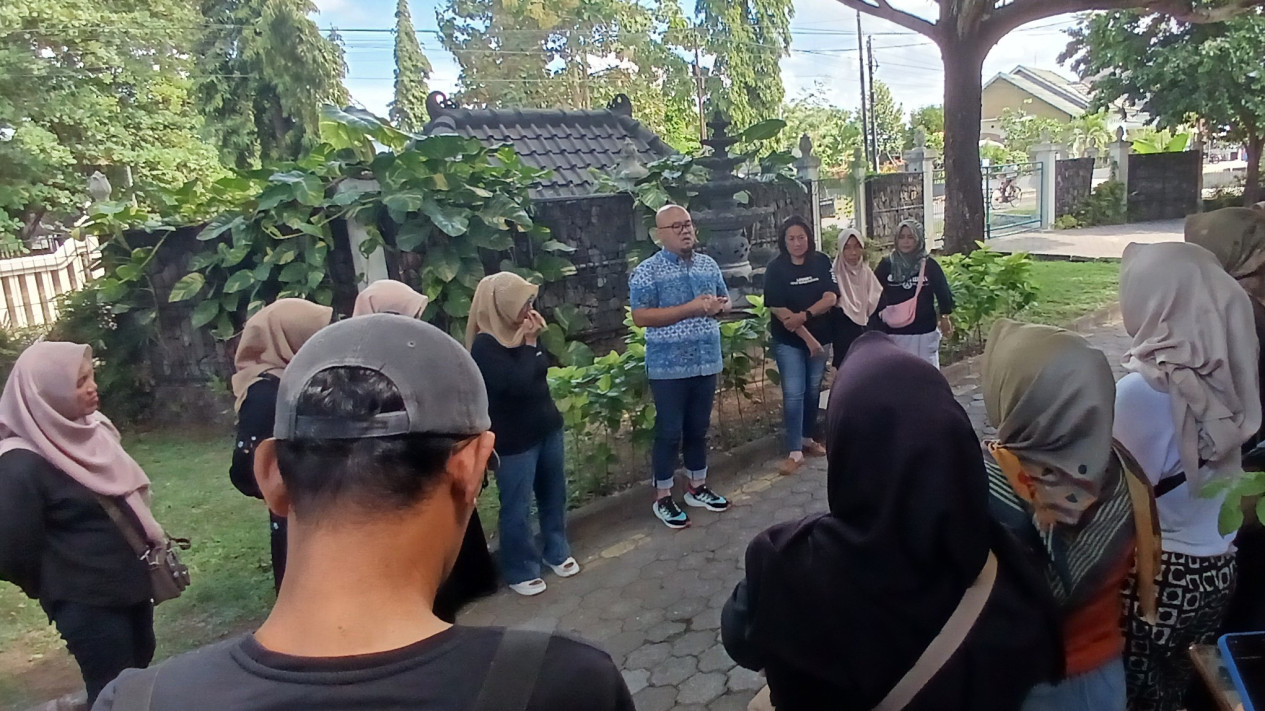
pixel 30 285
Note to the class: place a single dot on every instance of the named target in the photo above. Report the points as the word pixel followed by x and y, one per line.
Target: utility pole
pixel 698 86
pixel 865 122
pixel 873 119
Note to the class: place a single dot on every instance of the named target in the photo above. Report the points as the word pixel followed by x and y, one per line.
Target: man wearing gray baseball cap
pixel 381 447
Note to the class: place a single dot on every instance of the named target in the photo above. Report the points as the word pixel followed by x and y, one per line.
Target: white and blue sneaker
pixel 704 498
pixel 670 514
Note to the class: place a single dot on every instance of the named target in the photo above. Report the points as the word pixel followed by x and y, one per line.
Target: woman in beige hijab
pixel 502 337
pixel 1189 402
pixel 387 296
pixel 859 292
pixel 59 460
pixel 268 343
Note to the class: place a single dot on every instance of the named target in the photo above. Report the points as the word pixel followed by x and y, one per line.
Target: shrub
pixel 1067 222
pixel 987 285
pixel 1105 206
pixel 119 347
pixel 12 343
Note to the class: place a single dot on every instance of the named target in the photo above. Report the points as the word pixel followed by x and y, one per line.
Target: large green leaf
pixel 240 280
pixel 443 263
pixel 400 204
pixel 762 131
pixel 489 238
pixel 457 302
pixel 553 267
pixel 294 272
pixel 218 226
pixel 205 312
pixel 445 146
pixel 554 245
pixel 451 219
pixel 304 187
pixel 501 209
pixel 411 235
pixel 187 287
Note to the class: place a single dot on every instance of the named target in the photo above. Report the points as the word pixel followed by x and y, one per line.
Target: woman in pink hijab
pixel 59 459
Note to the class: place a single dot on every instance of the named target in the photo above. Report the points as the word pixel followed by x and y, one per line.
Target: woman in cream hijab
pixel 59 460
pixel 1189 402
pixel 859 293
pixel 269 341
pixel 502 337
pixel 387 296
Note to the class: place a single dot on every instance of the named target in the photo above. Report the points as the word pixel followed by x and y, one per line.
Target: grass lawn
pixel 1069 290
pixel 232 579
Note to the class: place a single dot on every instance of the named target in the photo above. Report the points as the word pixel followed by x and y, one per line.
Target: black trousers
pixel 105 640
pixel 278 532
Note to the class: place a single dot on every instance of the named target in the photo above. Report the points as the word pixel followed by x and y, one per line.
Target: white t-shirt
pixel 1144 425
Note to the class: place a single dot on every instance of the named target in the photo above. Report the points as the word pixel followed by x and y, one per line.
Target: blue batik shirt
pixel 688 348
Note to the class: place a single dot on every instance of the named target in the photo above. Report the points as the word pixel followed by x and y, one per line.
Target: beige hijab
pixel 387 296
pixel 1236 237
pixel 39 412
pixel 1052 398
pixel 272 337
pixel 1194 338
pixel 859 290
pixel 494 310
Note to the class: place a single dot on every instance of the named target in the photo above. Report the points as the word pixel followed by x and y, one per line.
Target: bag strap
pixel 951 636
pixel 922 273
pixel 135 691
pixel 1168 483
pixel 511 678
pixel 134 539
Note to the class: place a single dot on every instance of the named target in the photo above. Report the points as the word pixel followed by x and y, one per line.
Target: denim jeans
pixel 540 469
pixel 683 412
pixel 1101 689
pixel 801 389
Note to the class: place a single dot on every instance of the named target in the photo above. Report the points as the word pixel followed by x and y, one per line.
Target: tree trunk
pixel 1252 185
pixel 963 189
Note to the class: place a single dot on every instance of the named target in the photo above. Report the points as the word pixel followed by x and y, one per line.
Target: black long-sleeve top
pixel 522 410
pixel 255 420
pixel 936 296
pixel 58 544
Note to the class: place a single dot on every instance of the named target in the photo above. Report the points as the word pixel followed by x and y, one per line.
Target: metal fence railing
pixel 1012 199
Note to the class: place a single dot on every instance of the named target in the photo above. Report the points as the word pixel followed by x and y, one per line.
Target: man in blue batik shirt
pixel 674 295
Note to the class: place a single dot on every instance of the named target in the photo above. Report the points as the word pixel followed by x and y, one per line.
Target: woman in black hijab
pixel 837 607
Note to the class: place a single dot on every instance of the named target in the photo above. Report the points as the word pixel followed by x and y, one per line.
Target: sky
pixel 823 60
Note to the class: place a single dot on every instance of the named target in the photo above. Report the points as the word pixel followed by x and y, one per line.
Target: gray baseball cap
pixel 442 388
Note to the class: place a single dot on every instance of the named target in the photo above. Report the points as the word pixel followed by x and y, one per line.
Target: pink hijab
pixel 859 289
pixel 388 296
pixel 38 412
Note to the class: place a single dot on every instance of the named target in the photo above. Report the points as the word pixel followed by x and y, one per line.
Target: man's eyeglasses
pixel 678 227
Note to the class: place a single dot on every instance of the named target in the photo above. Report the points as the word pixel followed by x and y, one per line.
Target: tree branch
pixel 883 10
pixel 1008 18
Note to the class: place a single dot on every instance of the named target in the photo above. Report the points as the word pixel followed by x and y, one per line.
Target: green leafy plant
pixel 1244 496
pixel 1066 222
pixel 1104 206
pixel 1151 141
pixel 986 285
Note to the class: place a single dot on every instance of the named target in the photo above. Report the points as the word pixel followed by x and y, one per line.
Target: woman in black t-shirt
pixel 900 274
pixel 502 337
pixel 800 291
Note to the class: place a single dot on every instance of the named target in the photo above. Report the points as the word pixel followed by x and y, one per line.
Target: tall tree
pixel 1174 70
pixel 574 54
pixel 835 132
pixel 746 40
pixel 91 85
pixel 965 31
pixel 412 70
pixel 264 71
pixel 887 120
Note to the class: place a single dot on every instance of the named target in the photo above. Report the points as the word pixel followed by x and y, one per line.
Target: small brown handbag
pixel 168 577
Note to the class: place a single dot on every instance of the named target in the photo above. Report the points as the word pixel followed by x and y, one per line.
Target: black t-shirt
pixel 935 295
pixel 441 673
pixel 56 541
pixel 255 420
pixel 796 287
pixel 522 410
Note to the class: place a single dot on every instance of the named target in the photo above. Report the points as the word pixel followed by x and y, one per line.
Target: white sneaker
pixel 529 588
pixel 568 568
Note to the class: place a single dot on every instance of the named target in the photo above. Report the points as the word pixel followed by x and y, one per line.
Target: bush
pixel 1105 206
pixel 986 285
pixel 1067 222
pixel 12 343
pixel 119 347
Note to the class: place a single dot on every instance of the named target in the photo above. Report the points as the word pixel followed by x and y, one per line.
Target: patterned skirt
pixel 1193 595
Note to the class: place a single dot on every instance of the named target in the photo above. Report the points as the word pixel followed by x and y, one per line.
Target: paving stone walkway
pixel 1104 242
pixel 651 597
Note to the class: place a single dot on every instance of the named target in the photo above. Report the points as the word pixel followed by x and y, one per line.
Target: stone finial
pixel 630 166
pixel 1046 137
pixel 805 146
pixel 1120 133
pixel 920 137
pixel 99 187
pixel 621 105
pixel 438 103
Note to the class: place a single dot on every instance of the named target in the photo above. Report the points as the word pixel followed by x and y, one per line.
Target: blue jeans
pixel 683 412
pixel 1101 689
pixel 801 389
pixel 541 469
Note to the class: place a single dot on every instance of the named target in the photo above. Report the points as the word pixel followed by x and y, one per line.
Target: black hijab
pixel 848 600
